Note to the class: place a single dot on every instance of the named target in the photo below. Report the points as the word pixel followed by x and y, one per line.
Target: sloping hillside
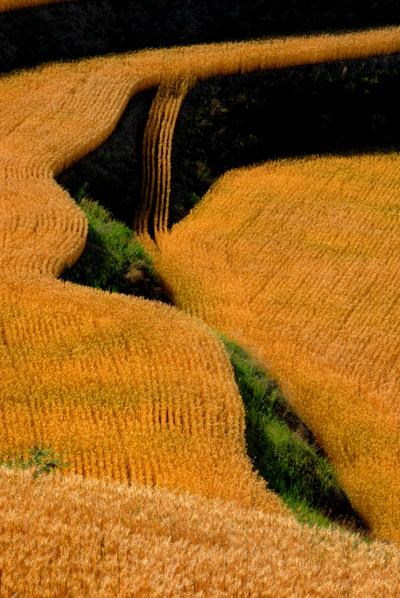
pixel 72 537
pixel 297 260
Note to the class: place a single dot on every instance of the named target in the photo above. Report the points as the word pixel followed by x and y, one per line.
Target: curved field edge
pixel 296 260
pixel 88 339
pixel 281 448
pixel 113 259
pixel 44 34
pixel 134 390
pixel 285 452
pixel 118 540
pixel 238 120
pixel 92 95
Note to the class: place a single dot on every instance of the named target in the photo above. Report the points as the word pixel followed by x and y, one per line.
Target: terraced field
pixel 296 260
pixel 134 390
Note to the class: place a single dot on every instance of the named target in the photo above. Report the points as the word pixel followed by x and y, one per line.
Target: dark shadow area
pixel 97 27
pixel 240 120
pixel 112 173
pixel 113 260
pixel 245 119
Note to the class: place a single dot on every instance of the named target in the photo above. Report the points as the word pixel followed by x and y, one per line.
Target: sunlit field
pixel 296 260
pixel 74 537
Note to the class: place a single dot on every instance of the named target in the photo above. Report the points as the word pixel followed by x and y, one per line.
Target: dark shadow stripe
pixel 228 122
pixel 97 27
pixel 243 119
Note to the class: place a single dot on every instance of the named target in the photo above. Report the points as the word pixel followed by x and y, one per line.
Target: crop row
pixel 56 114
pixel 157 151
pixel 133 390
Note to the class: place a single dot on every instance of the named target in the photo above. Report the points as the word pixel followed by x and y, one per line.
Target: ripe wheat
pixel 54 115
pixel 299 262
pixel 134 391
pixel 70 537
pixel 160 126
pixel 157 149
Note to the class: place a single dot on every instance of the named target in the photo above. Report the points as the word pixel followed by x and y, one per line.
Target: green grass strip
pixel 285 453
pixel 113 259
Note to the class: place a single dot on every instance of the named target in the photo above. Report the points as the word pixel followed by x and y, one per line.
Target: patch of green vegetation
pixel 42 461
pixel 113 260
pixel 285 452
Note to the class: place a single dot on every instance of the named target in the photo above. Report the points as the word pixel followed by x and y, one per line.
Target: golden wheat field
pixel 54 115
pixel 74 537
pixel 299 262
pixel 144 393
pixel 133 389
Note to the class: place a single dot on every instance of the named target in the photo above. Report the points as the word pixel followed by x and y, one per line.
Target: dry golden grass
pixel 299 261
pixel 10 5
pixel 73 537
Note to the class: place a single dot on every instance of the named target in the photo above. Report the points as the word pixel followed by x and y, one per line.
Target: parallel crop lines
pixel 134 391
pixel 51 117
pixel 157 149
pixel 298 261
